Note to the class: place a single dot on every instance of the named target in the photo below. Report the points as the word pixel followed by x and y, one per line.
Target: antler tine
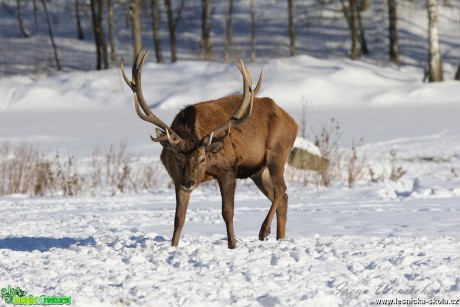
pixel 247 84
pixel 259 82
pixel 125 77
pixel 166 137
pixel 137 77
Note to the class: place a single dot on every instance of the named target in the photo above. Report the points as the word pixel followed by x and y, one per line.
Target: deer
pixel 230 138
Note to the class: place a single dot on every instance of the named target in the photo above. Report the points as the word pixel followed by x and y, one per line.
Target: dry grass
pixel 396 171
pixel 327 140
pixel 345 165
pixel 356 163
pixel 24 169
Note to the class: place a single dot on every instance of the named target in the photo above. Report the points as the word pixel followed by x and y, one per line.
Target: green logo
pixel 17 296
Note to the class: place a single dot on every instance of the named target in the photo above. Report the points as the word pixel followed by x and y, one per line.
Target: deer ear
pixel 215 147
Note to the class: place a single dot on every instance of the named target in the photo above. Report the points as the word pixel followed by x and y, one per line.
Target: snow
pixel 344 247
pixel 117 250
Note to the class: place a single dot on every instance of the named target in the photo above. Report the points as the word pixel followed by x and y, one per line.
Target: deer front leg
pixel 227 187
pixel 182 200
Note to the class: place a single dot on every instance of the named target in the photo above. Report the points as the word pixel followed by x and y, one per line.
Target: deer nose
pixel 188 184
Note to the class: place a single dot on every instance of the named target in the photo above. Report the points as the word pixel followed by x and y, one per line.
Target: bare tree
pixel 434 58
pixel 22 28
pixel 362 35
pixel 228 31
pixel 134 14
pixel 355 52
pixel 206 28
pixel 393 30
pixel 253 31
pixel 292 34
pixel 35 8
pixel 457 75
pixel 111 30
pixel 172 30
pixel 50 32
pixel 99 37
pixel 349 8
pixel 80 34
pixel 155 10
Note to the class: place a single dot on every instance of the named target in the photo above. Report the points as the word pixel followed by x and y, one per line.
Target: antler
pixel 139 100
pixel 259 83
pixel 243 111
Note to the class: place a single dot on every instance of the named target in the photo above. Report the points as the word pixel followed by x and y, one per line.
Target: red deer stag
pixel 232 137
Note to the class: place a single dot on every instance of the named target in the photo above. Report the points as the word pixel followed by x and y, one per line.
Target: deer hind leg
pixel 265 183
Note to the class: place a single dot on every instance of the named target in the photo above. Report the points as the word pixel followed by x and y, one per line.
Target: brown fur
pixel 257 148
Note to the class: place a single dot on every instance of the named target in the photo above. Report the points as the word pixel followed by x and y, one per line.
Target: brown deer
pixel 232 137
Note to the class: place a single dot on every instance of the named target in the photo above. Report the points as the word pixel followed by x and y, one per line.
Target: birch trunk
pixel 434 58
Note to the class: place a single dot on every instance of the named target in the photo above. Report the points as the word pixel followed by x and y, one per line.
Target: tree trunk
pixel 434 59
pixel 134 14
pixel 206 29
pixel 172 30
pixel 155 10
pixel 22 28
pixel 292 34
pixel 111 30
pixel 80 34
pixel 99 38
pixel 96 35
pixel 362 35
pixel 457 75
pixel 50 32
pixel 253 32
pixel 393 30
pixel 228 31
pixel 35 8
pixel 105 54
pixel 355 52
pixel 179 13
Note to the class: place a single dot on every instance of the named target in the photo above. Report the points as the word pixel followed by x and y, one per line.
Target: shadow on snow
pixel 42 244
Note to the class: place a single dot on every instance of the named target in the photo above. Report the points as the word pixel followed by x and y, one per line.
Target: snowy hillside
pixel 344 247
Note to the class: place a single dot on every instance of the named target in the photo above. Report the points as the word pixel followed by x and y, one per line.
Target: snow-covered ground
pixel 344 247
pixel 117 250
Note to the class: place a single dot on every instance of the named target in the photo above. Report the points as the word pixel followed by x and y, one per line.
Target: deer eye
pixel 203 160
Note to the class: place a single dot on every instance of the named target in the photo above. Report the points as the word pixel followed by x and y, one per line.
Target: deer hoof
pixel 264 233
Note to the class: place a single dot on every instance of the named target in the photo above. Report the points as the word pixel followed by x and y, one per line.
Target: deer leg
pixel 227 187
pixel 264 182
pixel 281 217
pixel 182 200
pixel 279 200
